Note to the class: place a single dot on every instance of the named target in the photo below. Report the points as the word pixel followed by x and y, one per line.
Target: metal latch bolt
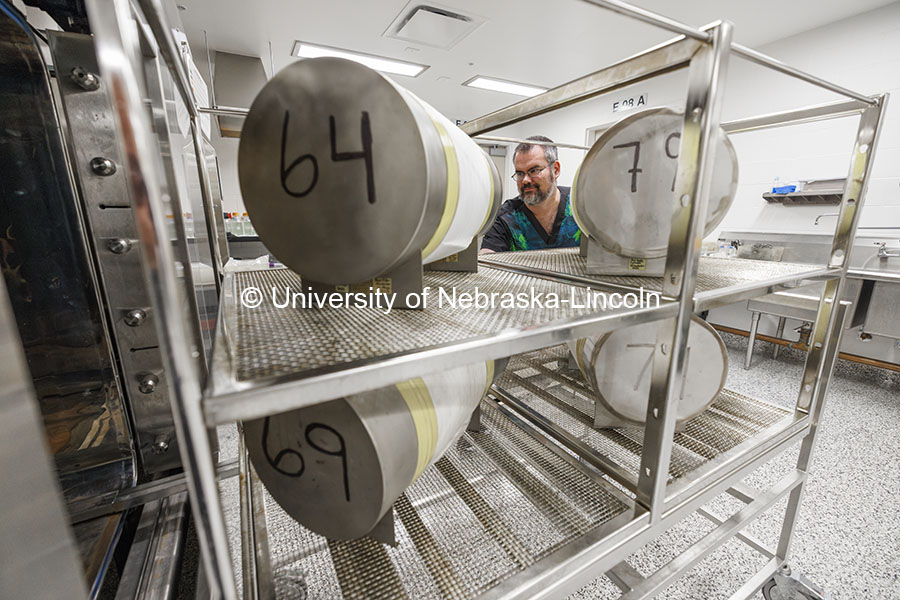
pixel 103 166
pixel 135 317
pixel 148 383
pixel 85 79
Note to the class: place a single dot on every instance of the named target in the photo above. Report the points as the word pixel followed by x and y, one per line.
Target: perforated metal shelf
pixel 296 356
pixel 719 280
pixel 498 502
pixel 504 499
pixel 542 381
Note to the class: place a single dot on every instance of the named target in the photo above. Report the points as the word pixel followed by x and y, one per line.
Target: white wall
pixel 861 53
pixel 227 150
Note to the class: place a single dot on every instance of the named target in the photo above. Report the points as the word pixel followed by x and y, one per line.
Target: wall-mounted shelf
pixel 804 198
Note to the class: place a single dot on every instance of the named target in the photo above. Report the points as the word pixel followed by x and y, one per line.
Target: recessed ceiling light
pixel 379 63
pixel 508 87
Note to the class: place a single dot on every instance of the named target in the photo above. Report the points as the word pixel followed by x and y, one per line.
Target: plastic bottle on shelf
pixel 188 225
pixel 235 224
pixel 248 226
pixel 783 187
pixel 170 227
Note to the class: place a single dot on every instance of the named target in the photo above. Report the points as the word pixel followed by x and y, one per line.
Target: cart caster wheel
pixel 785 586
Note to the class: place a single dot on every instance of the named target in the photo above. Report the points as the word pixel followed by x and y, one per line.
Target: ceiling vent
pixel 432 25
pixel 237 80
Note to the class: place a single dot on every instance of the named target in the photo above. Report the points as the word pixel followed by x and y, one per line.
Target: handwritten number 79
pixel 637 159
pixel 671 154
pixel 635 168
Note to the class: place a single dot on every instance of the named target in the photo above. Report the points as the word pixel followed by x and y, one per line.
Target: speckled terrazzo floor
pixel 847 538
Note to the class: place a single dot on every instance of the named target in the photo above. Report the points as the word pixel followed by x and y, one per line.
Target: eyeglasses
pixel 533 172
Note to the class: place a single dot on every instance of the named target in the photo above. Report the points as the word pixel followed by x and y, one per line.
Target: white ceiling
pixel 543 43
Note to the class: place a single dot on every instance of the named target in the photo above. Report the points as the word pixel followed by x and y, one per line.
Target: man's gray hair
pixel 550 152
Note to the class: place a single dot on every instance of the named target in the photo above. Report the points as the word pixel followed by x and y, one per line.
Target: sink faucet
pixel 825 215
pixel 816 222
pixel 883 252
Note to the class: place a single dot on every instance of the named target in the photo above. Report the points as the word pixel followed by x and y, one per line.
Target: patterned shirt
pixel 516 228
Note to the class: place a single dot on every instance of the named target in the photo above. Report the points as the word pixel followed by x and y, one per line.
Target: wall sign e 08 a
pixel 629 103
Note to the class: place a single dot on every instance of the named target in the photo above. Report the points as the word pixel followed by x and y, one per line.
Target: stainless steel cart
pixel 589 498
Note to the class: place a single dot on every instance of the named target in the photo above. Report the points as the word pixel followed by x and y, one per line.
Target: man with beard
pixel 541 217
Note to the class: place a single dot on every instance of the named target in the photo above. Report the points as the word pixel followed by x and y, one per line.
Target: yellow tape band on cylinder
pixel 489 366
pixel 579 351
pixel 421 408
pixel 572 203
pixel 490 203
pixel 452 191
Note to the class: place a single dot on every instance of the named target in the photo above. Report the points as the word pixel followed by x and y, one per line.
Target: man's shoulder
pixel 511 205
pixel 564 191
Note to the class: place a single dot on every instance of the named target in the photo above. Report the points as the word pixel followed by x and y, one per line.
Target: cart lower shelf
pixel 506 502
pixel 496 503
pixel 541 382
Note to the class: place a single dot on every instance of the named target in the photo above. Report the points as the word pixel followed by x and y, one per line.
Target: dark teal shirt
pixel 516 228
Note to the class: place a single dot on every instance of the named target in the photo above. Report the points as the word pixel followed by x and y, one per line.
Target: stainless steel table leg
pixel 778 333
pixel 754 323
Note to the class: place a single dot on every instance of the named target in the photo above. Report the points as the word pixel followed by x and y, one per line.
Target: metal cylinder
pixel 624 190
pixel 347 175
pixel 618 366
pixel 338 467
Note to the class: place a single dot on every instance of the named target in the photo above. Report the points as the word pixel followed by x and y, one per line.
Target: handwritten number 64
pixel 365 131
pixel 285 173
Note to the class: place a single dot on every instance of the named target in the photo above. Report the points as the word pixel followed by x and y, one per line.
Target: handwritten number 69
pixel 289 468
pixel 276 461
pixel 341 451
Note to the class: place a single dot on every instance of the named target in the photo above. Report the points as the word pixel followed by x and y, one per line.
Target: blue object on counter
pixel 785 189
